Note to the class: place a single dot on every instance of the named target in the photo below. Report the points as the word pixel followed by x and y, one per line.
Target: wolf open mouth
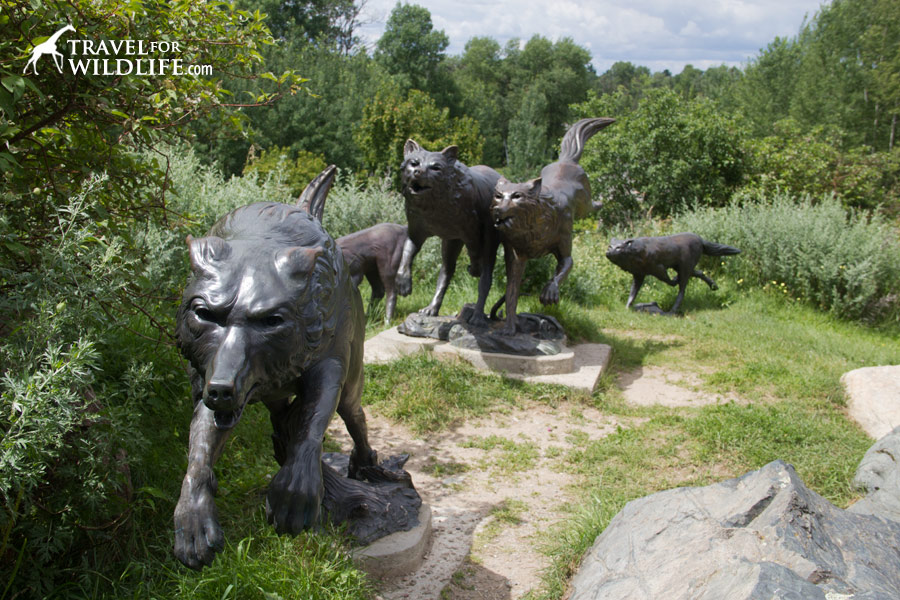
pixel 227 419
pixel 417 187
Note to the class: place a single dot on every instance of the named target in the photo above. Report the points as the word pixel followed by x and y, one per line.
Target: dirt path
pixel 496 484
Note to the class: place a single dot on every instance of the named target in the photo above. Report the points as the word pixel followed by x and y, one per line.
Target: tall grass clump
pixel 843 262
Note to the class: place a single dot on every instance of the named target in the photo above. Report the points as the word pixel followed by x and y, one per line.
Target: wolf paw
pixel 294 499
pixel 369 458
pixel 550 294
pixel 404 284
pixel 198 535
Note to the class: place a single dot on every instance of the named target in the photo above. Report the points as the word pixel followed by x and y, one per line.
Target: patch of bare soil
pixel 494 485
pixel 652 385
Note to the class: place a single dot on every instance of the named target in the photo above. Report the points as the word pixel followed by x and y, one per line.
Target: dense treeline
pixel 815 113
pixel 104 176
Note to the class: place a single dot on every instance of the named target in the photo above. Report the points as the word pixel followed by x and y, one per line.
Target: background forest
pixel 102 179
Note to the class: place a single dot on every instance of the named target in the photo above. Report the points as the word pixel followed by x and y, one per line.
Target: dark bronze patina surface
pixel 375 253
pixel 535 218
pixel 656 255
pixel 270 315
pixel 447 199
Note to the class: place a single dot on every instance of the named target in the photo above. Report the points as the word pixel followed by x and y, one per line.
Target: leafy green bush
pixel 68 393
pixel 667 153
pixel 297 172
pixel 813 163
pixel 844 262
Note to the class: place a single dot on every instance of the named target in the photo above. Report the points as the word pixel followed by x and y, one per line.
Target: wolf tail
pixel 715 249
pixel 312 200
pixel 573 142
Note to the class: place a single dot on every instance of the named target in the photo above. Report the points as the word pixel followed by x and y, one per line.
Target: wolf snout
pixel 220 395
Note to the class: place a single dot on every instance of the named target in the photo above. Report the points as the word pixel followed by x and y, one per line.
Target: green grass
pixel 781 357
pixel 429 395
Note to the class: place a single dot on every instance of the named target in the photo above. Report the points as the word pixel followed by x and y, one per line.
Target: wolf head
pixel 625 253
pixel 428 175
pixel 517 205
pixel 257 306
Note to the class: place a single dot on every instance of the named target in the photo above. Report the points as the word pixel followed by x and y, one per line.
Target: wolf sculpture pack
pixel 656 255
pixel 269 315
pixel 445 198
pixel 535 218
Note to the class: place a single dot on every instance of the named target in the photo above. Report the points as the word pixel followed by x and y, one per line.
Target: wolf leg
pixel 487 258
pixel 636 284
pixel 450 250
pixel 700 275
pixel 295 493
pixel 198 535
pixel 515 268
pixel 550 293
pixel 411 247
pixel 683 279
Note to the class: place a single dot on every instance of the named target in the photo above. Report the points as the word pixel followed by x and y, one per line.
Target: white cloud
pixel 660 34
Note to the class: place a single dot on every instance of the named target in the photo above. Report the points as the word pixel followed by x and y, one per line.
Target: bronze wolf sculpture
pixel 269 315
pixel 656 255
pixel 535 218
pixel 445 198
pixel 374 253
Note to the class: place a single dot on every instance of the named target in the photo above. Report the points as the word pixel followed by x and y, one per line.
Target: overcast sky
pixel 659 34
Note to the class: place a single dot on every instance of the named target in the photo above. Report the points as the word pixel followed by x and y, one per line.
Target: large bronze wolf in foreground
pixel 535 218
pixel 446 198
pixel 269 315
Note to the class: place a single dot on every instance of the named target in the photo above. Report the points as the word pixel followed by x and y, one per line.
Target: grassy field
pixel 780 357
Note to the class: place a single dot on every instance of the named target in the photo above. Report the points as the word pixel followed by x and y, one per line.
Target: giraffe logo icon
pixel 47 47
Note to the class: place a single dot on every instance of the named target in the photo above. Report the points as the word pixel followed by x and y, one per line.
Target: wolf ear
pixel 450 152
pixel 297 262
pixel 409 147
pixel 534 185
pixel 312 200
pixel 206 250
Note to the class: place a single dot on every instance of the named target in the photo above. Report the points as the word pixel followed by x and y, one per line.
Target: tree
pixel 392 117
pixel 411 50
pixel 669 153
pixel 482 81
pixel 544 79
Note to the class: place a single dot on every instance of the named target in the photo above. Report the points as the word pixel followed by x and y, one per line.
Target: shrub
pixel 813 163
pixel 844 262
pixel 667 153
pixel 68 419
pixel 296 172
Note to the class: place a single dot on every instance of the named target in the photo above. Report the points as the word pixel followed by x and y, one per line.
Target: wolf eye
pixel 203 313
pixel 272 320
pixel 414 162
pixel 434 167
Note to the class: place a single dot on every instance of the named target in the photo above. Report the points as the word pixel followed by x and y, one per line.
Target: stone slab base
pixel 399 553
pixel 578 367
pixel 873 398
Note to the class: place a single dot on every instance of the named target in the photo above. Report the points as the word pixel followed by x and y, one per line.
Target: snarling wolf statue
pixel 269 315
pixel 535 218
pixel 656 255
pixel 445 198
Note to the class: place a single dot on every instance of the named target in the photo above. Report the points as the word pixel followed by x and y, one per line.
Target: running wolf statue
pixel 269 315
pixel 656 255
pixel 535 218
